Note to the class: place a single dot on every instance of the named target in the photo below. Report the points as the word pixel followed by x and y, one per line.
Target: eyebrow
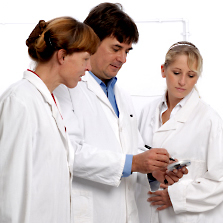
pixel 120 47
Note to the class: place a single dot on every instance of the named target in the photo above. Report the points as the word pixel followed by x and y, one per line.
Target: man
pixel 107 155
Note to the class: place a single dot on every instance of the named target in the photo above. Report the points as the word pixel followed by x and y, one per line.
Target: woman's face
pixel 74 68
pixel 180 78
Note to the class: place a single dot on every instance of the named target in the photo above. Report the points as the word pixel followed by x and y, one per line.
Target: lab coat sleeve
pixel 98 165
pixel 206 192
pixel 143 178
pixel 90 162
pixel 15 161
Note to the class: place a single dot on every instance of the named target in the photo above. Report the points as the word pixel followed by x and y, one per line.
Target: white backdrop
pixel 141 74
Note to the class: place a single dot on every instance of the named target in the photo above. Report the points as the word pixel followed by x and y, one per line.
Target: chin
pixel 72 85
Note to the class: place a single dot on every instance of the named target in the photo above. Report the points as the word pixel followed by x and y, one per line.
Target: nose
pixel 122 56
pixel 182 80
pixel 88 66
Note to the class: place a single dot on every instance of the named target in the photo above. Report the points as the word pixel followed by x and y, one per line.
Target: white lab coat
pixel 101 195
pixel 194 133
pixel 35 159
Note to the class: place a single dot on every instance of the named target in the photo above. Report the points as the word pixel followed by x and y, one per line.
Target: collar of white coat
pixel 40 86
pixel 93 86
pixel 163 106
pixel 44 91
pixel 182 115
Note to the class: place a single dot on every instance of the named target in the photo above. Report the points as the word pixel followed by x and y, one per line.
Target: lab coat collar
pixel 96 88
pixel 44 91
pixel 181 116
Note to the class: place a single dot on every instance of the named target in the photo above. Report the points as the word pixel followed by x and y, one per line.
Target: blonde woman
pixel 189 129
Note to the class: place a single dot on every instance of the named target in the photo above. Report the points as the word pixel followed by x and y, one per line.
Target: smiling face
pixel 180 78
pixel 109 58
pixel 74 68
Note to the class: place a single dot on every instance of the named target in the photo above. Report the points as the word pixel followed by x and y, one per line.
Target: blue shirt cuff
pixel 128 166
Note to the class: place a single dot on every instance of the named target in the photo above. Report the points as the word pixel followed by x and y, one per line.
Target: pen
pixel 149 147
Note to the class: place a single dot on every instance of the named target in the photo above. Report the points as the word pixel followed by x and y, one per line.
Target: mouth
pixel 117 67
pixel 180 89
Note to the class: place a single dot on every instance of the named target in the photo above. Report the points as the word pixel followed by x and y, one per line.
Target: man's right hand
pixel 151 160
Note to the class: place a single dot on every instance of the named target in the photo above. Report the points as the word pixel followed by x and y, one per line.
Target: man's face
pixel 109 58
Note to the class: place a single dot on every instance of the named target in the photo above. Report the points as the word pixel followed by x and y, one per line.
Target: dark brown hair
pixel 109 20
pixel 60 33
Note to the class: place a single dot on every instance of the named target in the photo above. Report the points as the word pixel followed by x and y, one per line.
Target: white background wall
pixel 141 74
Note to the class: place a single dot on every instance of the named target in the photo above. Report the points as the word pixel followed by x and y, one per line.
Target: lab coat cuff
pixel 177 194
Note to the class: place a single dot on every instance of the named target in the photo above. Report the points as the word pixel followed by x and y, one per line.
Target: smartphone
pixel 178 165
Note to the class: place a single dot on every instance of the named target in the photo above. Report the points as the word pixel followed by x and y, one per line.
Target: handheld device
pixel 178 165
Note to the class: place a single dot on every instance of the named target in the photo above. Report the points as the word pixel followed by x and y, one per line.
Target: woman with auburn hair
pixel 181 122
pixel 35 155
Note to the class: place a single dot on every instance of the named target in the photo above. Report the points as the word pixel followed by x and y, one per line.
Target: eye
pixel 176 73
pixel 191 75
pixel 115 49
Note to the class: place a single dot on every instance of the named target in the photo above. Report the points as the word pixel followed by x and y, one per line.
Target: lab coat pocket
pixel 196 170
pixel 82 207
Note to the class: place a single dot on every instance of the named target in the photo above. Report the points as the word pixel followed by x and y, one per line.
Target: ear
pixel 61 54
pixel 163 71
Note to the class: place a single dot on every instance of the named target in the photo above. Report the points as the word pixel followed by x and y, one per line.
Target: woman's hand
pixel 161 198
pixel 170 177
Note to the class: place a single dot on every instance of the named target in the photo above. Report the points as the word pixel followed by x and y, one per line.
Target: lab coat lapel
pixel 188 108
pixel 120 103
pixel 42 88
pixel 167 130
pixel 96 88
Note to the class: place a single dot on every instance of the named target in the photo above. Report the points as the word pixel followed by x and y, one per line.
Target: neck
pixel 48 75
pixel 171 103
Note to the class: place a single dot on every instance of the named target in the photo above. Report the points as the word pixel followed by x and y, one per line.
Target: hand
pixel 161 198
pixel 159 175
pixel 169 177
pixel 174 176
pixel 150 160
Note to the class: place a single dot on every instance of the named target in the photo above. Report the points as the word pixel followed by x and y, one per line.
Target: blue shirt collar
pixel 111 82
pixel 109 91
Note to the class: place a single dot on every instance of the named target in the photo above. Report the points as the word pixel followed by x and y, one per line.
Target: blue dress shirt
pixel 109 91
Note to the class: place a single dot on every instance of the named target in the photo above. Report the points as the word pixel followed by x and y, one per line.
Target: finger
pixel 184 170
pixel 163 158
pixel 175 171
pixel 157 203
pixel 154 200
pixel 159 165
pixel 169 180
pixel 161 151
pixel 175 176
pixel 156 193
pixel 155 155
pixel 162 208
pixel 163 186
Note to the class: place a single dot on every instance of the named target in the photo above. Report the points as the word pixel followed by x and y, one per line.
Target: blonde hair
pixel 60 33
pixel 188 49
